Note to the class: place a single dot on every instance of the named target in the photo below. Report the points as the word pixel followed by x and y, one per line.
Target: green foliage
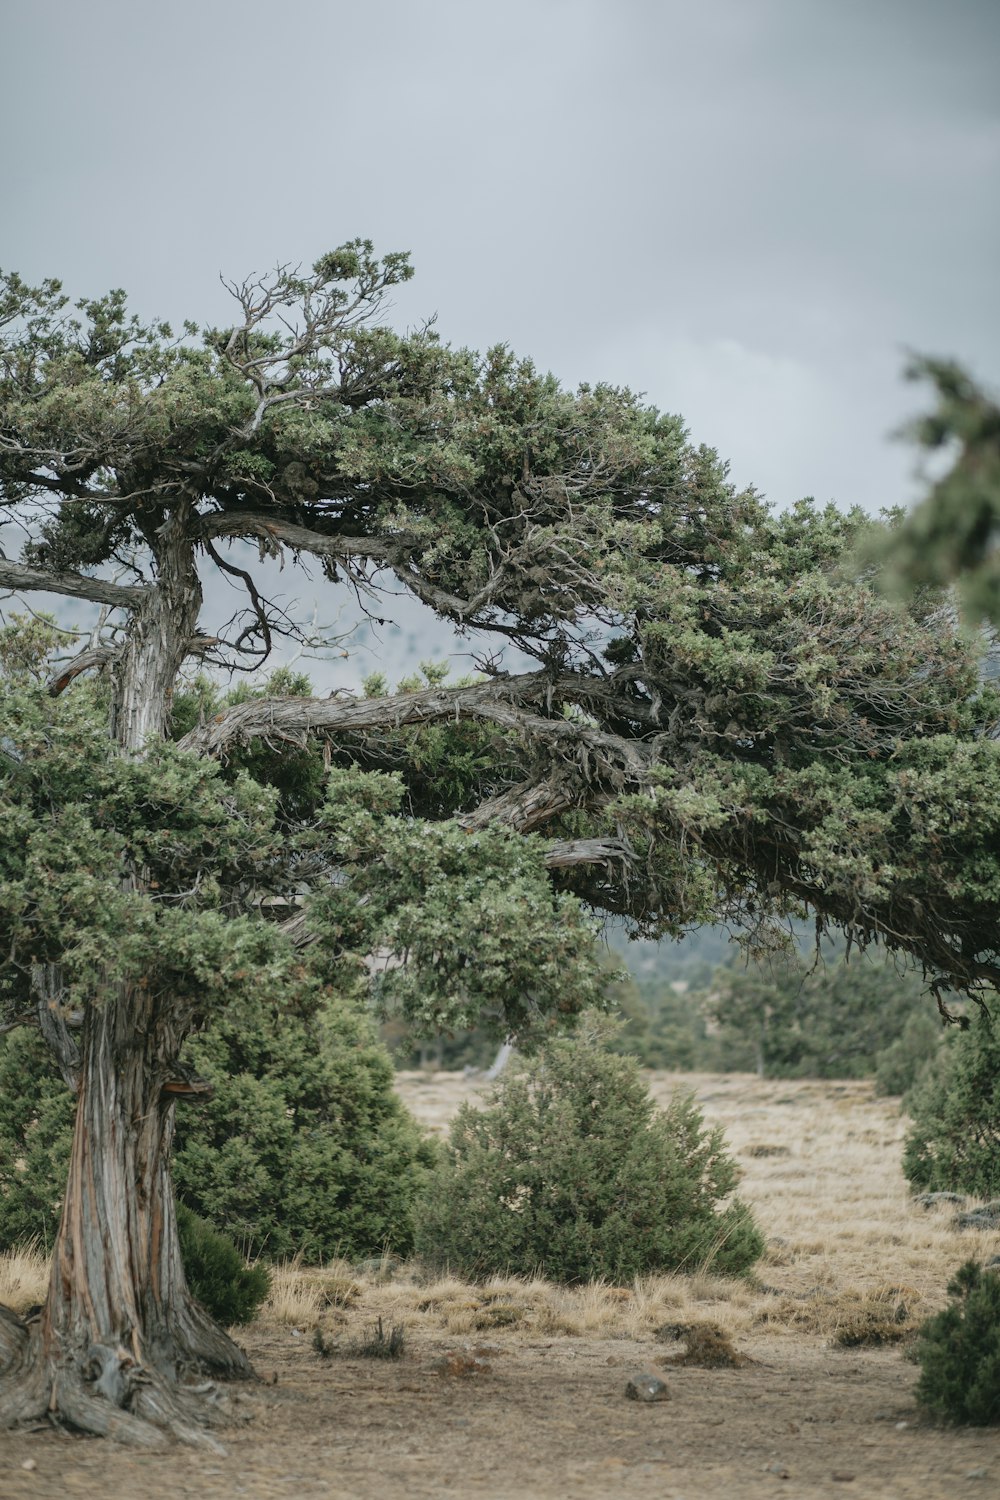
pixel 959 1351
pixel 572 1173
pixel 951 537
pixel 797 1016
pixel 953 1144
pixel 216 1272
pixel 663 1026
pixel 304 1147
pixel 74 816
pixel 36 1128
pixel 484 935
pixel 901 1064
pixel 814 744
pixel 764 731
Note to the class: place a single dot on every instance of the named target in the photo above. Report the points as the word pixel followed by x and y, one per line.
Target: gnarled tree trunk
pixel 120 1337
pixel 120 1333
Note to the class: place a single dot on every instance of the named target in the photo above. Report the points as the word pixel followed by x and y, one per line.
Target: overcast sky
pixel 747 209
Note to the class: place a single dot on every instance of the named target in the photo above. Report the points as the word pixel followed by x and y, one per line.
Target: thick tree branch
pixel 524 807
pixel 565 853
pixel 501 701
pixel 236 523
pixel 16 576
pixel 94 657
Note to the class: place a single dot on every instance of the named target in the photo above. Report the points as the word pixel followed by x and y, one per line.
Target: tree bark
pixel 120 1335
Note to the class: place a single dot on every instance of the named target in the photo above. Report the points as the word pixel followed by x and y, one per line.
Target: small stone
pixel 29 1463
pixel 902 1426
pixel 978 1474
pixel 778 1470
pixel 646 1387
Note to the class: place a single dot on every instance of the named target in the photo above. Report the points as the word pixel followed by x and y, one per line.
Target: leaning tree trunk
pixel 120 1337
pixel 120 1333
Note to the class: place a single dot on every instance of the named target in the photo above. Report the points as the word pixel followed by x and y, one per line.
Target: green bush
pixel 216 1272
pixel 953 1144
pixel 573 1173
pixel 959 1351
pixel 809 1015
pixel 36 1129
pixel 304 1148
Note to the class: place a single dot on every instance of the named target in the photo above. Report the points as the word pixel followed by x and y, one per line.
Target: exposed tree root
pixel 13 1339
pixel 108 1394
pixel 193 1343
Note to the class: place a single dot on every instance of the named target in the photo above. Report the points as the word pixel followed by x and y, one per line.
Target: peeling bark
pixel 120 1338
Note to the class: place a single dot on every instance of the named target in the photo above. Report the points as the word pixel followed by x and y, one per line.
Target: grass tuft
pixel 24 1277
pixel 378 1343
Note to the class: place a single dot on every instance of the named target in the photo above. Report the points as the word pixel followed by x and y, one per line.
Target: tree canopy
pixel 952 536
pixel 721 718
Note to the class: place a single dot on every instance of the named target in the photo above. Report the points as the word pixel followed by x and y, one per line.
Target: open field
pixel 531 1403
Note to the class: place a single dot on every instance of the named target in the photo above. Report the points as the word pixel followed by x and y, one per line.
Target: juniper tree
pixel 718 720
pixel 951 536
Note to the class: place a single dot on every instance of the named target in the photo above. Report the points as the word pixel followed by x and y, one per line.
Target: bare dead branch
pixel 75 585
pixel 95 657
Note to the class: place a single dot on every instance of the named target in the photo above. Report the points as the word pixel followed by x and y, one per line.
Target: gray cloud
pixel 747 209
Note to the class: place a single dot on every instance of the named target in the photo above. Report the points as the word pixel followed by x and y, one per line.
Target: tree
pixel 803 1017
pixel 716 724
pixel 951 536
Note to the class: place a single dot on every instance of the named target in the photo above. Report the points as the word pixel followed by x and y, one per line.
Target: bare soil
pixel 537 1407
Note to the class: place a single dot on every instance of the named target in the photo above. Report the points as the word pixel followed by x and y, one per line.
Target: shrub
pixel 959 1351
pixel 809 1015
pixel 304 1148
pixel 36 1130
pixel 954 1141
pixel 572 1173
pixel 216 1272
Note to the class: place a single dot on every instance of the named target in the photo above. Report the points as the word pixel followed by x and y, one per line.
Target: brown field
pixel 532 1403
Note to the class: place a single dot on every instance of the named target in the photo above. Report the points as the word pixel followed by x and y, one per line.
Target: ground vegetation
pixel 572 1173
pixel 719 719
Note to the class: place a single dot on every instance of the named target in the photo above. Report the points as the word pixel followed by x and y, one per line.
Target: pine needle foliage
pixel 217 1274
pixel 959 1351
pixel 572 1173
pixel 953 1144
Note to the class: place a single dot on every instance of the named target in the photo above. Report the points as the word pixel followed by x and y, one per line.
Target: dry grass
pixel 24 1277
pixel 850 1258
pixel 302 1296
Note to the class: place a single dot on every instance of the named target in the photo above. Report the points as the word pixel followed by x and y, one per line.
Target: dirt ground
pixel 537 1407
